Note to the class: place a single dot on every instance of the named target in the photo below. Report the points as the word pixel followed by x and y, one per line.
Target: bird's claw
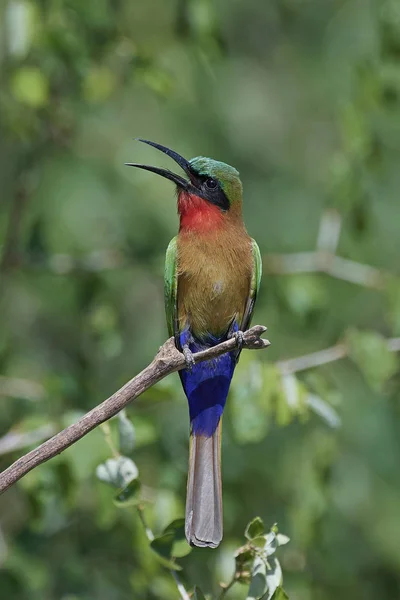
pixel 239 337
pixel 189 358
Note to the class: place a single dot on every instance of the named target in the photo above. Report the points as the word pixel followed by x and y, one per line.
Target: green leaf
pixel 304 294
pixel 244 555
pixel 264 576
pixel 370 352
pixel 163 545
pixel 117 471
pixel 145 431
pixel 323 410
pixel 198 594
pixel 259 542
pixel 280 594
pixel 129 495
pixel 171 543
pixel 180 545
pixel 126 433
pixel 30 86
pixel 254 529
pixel 99 84
pixel 258 584
pixel 268 543
pixel 295 394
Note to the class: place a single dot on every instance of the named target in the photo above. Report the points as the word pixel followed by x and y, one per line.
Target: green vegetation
pixel 303 97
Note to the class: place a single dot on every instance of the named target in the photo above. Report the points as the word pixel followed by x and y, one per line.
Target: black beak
pixel 182 162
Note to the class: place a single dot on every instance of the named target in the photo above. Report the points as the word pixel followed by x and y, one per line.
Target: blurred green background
pixel 303 97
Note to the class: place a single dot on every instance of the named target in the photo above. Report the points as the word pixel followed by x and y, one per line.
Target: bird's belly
pixel 209 300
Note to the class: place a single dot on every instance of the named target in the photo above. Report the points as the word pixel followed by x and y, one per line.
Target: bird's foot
pixel 239 337
pixel 189 358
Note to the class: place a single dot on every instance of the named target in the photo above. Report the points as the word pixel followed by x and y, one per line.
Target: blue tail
pixel 206 385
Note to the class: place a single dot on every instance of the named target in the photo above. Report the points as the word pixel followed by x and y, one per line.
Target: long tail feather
pixel 204 490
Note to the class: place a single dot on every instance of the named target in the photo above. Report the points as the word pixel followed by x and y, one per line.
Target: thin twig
pixel 227 587
pixel 13 440
pixel 329 231
pixel 325 260
pixel 150 536
pixel 323 357
pixel 290 264
pixel 99 260
pixel 358 273
pixel 179 585
pixel 321 261
pixel 16 387
pixel 105 427
pixel 168 360
pixel 314 359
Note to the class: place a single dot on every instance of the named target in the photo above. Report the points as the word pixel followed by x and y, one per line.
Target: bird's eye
pixel 211 183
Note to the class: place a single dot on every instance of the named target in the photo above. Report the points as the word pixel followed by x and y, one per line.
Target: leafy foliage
pixel 254 565
pixel 370 352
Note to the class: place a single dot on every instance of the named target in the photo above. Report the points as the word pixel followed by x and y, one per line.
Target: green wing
pixel 171 287
pixel 254 286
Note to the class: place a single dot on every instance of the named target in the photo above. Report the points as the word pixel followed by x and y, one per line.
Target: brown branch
pixel 15 387
pixel 320 261
pixel 168 360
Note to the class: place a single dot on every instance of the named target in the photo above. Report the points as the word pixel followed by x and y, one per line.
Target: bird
pixel 211 282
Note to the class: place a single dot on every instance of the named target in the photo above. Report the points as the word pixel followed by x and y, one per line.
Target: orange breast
pixel 214 275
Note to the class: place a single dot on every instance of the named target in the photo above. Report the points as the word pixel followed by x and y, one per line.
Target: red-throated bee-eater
pixel 212 277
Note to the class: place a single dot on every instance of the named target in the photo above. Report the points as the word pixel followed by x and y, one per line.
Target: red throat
pixel 197 214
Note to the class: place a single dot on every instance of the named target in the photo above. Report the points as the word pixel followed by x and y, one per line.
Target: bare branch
pixel 323 357
pixel 100 260
pixel 168 360
pixel 14 440
pixel 329 231
pixel 315 359
pixel 15 387
pixel 394 344
pixel 355 272
pixel 290 264
pixel 322 261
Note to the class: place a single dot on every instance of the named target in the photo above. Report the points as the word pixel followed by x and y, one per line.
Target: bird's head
pixel 211 194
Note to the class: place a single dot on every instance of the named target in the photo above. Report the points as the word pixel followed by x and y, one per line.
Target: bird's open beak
pixel 182 162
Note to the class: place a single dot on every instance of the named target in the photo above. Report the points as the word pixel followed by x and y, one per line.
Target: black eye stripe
pixel 210 189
